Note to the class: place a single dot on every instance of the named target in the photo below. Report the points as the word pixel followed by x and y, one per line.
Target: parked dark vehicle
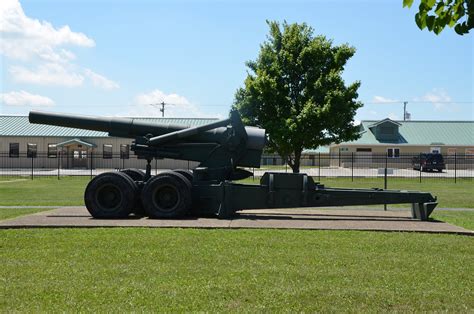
pixel 428 162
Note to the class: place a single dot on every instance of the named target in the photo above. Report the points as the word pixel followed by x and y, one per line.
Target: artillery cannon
pixel 220 147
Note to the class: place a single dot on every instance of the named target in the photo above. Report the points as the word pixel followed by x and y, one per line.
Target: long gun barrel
pixel 173 141
pixel 132 128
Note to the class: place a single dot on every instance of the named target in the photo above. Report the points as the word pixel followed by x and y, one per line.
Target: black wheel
pixel 188 174
pixel 167 195
pixel 110 195
pixel 135 174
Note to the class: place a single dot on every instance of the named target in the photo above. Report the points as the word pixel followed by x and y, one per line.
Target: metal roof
pixel 422 133
pixel 20 126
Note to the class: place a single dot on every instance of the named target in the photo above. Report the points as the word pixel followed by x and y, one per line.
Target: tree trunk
pixel 295 163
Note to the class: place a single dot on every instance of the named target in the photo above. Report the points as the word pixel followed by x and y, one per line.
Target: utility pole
pixel 405 110
pixel 162 109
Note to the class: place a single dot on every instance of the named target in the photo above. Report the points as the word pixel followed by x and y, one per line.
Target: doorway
pixel 79 158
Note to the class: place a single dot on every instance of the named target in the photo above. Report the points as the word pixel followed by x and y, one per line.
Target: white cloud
pixel 59 74
pixel 175 106
pixel 47 74
pixel 383 100
pixel 24 37
pixel 44 48
pixel 438 97
pixel 100 81
pixel 23 98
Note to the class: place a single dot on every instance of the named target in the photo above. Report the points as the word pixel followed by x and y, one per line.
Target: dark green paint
pixel 221 147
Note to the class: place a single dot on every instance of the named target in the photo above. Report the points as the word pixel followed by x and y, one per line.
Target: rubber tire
pixel 121 182
pixel 135 174
pixel 176 181
pixel 188 174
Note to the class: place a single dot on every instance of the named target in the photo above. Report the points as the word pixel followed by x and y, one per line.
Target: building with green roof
pixel 411 137
pixel 398 141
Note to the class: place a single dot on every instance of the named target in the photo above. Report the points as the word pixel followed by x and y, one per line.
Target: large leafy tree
pixel 295 91
pixel 437 14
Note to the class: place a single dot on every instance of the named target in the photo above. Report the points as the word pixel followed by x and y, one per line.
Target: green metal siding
pixel 19 126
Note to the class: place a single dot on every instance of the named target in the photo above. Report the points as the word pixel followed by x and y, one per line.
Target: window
pixel 31 150
pixel 14 150
pixel 366 150
pixel 344 149
pixel 79 154
pixel 107 151
pixel 435 150
pixel 52 151
pixel 451 151
pixel 124 151
pixel 386 130
pixel 393 152
pixel 469 153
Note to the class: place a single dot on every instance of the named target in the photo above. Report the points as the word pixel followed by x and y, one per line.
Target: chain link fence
pixel 320 165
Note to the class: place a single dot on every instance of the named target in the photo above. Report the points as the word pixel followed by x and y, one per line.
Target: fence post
pixel 58 157
pixel 32 167
pixel 339 157
pixel 91 164
pixel 455 167
pixel 385 178
pixel 319 167
pixel 352 166
pixel 420 167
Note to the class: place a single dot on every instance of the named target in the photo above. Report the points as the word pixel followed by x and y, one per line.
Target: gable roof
pixel 76 141
pixel 421 133
pixel 383 121
pixel 20 126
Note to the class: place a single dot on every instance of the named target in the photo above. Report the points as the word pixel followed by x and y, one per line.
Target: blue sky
pixel 117 57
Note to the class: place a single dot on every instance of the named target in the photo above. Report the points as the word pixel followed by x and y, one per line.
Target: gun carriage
pixel 222 149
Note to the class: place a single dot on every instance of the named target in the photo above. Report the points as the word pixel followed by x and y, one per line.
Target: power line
pixel 227 106
pixel 418 102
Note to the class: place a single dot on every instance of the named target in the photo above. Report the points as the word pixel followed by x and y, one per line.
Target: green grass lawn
pixel 463 219
pixel 69 190
pixel 7 213
pixel 141 269
pixel 43 191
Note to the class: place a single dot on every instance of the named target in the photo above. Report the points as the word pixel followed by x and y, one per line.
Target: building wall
pixel 342 155
pixel 405 149
pixel 64 159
